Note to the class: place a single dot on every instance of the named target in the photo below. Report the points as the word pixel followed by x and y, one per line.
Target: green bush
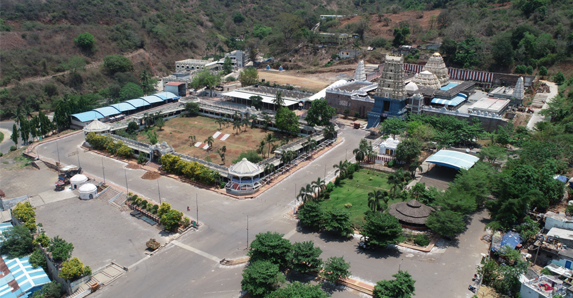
pixel 117 63
pixel 13 148
pixel 421 240
pixel 85 41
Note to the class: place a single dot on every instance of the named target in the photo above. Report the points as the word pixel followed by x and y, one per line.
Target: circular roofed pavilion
pixel 411 214
pixel 244 178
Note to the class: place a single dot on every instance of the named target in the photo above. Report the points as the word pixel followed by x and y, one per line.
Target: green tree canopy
pixel 446 222
pixel 408 149
pixel 320 113
pixel 393 126
pixel 299 290
pixel 117 63
pixel 72 269
pixel 130 91
pixel 306 257
pixel 227 66
pixel 85 41
pixel 204 79
pixel 60 249
pixel 401 287
pixel 335 268
pixel 17 242
pixel 249 76
pixel 250 155
pixel 287 121
pixel 171 219
pixel 310 214
pixel 337 220
pixel 49 290
pixel 271 247
pixel 382 229
pixel 261 278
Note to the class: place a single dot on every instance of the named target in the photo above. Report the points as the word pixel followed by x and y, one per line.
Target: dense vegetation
pixel 45 38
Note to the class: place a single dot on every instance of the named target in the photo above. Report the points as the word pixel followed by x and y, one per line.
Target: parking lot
pixel 99 232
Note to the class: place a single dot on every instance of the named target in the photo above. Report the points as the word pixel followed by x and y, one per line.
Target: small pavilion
pixel 411 214
pixel 244 178
pixel 388 147
pixel 97 127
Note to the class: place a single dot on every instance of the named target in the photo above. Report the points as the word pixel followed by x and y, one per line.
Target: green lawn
pixel 356 191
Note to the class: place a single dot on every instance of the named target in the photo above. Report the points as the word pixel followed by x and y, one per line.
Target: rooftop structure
pixel 490 105
pixel 244 177
pixel 564 236
pixel 453 102
pixel 511 239
pixel 411 213
pixel 437 66
pixel 190 64
pixel 453 159
pixel 428 79
pixel 543 286
pixel 123 107
pixel 388 147
pixel 360 74
pixel 412 88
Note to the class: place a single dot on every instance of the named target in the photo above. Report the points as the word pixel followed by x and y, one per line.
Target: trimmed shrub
pixel 421 240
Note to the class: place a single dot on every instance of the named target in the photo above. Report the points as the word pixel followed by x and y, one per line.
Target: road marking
pixel 138 262
pixel 199 252
pixel 289 234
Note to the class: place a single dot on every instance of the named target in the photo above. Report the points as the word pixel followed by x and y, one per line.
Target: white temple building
pixel 437 66
pixel 388 147
pixel 519 91
pixel 428 79
pixel 360 74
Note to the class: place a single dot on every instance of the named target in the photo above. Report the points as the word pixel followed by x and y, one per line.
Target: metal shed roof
pixel 138 102
pixel 167 95
pixel 88 116
pixel 123 106
pixel 453 159
pixel 451 102
pixel 108 111
pixel 266 98
pixel 152 99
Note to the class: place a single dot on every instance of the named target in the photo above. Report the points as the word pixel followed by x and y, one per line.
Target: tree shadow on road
pixel 379 253
pixel 330 288
pixel 326 236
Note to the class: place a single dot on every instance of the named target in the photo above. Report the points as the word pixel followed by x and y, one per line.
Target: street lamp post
pixel 247 232
pixel 197 204
pixel 103 170
pixel 126 186
pixel 78 154
pixel 58 148
pixel 158 192
pixel 400 266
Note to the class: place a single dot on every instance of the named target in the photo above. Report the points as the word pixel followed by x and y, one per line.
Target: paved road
pixel 190 266
pixel 6 126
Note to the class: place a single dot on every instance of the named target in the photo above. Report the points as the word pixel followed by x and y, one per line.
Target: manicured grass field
pixel 176 133
pixel 355 191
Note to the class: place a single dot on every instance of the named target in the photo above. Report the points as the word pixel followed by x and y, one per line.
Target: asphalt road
pixel 190 267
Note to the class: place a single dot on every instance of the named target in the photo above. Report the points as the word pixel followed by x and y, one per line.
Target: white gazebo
pixel 88 191
pixel 244 178
pixel 388 147
pixel 78 180
pixel 97 127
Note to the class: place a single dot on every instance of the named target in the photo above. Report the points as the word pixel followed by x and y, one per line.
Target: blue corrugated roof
pixel 123 106
pixel 138 102
pixel 512 239
pixel 88 116
pixel 450 102
pixel 25 275
pixel 453 159
pixel 166 95
pixel 108 111
pixel 152 99
pixel 449 86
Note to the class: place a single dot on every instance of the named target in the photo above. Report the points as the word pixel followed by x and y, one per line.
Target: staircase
pixel 102 278
pixel 40 165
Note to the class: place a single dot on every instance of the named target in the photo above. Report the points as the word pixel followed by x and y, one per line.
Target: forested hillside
pixel 41 38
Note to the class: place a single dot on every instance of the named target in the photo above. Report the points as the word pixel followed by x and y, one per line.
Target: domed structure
pixel 244 178
pixel 78 180
pixel 411 214
pixel 428 79
pixel 88 191
pixel 437 66
pixel 96 126
pixel 412 88
pixel 388 147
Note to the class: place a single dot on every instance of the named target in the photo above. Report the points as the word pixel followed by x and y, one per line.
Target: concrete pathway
pixel 536 117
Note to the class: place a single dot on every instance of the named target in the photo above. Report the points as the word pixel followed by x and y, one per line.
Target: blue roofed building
pixel 511 239
pixel 138 103
pixel 153 100
pixel 453 159
pixel 108 111
pixel 167 96
pixel 124 107
pixel 17 276
pixel 83 119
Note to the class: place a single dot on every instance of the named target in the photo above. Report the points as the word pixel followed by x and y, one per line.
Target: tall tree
pixel 382 229
pixel 15 134
pixel 261 278
pixel 146 83
pixel 408 149
pixel 227 66
pixel 338 220
pixel 401 287
pixel 447 223
pixel 335 268
pixel 306 257
pixel 393 126
pixel 310 213
pixel 320 113
pixel 299 290
pixel 249 76
pixel 204 79
pixel 287 121
pixel 375 198
pixel 271 247
pixel 278 101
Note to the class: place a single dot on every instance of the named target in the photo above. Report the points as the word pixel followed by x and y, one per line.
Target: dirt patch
pixel 11 41
pixel 379 29
pixel 133 166
pixel 151 176
pixel 296 79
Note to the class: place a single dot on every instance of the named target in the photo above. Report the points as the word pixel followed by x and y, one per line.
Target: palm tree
pixel 396 179
pixel 309 190
pixel 341 167
pixel 261 148
pixel 270 139
pixel 253 120
pixel 358 154
pixel 320 184
pixel 278 100
pixel 415 165
pixel 209 141
pixel 237 125
pixel 269 167
pixel 304 195
pixel 220 121
pixel 245 122
pixel 193 140
pixel 329 132
pixel 374 199
pixel 266 120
